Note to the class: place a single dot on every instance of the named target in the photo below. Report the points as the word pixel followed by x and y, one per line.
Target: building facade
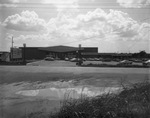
pixel 62 52
pixel 59 52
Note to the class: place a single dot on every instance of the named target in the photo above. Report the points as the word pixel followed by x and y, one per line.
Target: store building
pixel 60 52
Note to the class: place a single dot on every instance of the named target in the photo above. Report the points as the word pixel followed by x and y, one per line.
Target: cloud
pixel 95 23
pixel 134 3
pixel 93 26
pixel 61 5
pixel 27 21
pixel 8 5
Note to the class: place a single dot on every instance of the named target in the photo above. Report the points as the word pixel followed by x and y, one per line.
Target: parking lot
pixel 62 63
pixel 55 63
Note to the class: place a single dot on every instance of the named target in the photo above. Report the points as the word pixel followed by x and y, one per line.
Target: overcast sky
pixel 110 25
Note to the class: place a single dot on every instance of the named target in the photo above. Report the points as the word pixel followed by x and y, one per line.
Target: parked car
pixel 76 60
pixel 90 59
pixel 136 60
pixel 66 59
pixel 125 62
pixel 84 59
pixel 146 63
pixel 49 59
pixel 96 59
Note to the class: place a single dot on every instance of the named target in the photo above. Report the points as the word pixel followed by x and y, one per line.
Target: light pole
pixel 12 49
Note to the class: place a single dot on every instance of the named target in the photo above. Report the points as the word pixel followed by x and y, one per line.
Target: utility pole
pixel 24 55
pixel 79 51
pixel 12 49
pixel 79 55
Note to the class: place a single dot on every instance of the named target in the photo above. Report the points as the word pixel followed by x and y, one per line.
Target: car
pixel 90 59
pixel 136 60
pixel 49 59
pixel 125 62
pixel 96 59
pixel 66 59
pixel 74 60
pixel 83 59
pixel 146 63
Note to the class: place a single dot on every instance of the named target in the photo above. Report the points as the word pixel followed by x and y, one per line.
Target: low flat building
pixel 60 52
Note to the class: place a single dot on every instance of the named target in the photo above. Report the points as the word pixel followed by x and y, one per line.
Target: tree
pixel 142 54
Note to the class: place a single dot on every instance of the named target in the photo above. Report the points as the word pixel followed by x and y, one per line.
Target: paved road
pixel 56 63
pixel 47 69
pixel 9 74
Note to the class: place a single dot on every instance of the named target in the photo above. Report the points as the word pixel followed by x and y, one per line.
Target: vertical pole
pixel 12 49
pixel 79 51
pixel 79 55
pixel 24 55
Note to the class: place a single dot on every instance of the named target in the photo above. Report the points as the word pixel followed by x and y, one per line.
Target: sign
pixel 16 53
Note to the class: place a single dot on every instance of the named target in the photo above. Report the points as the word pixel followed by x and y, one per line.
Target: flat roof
pixel 60 48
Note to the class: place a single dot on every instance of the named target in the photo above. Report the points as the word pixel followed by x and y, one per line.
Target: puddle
pixel 73 92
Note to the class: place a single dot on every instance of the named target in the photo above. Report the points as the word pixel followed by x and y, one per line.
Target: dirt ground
pixel 27 89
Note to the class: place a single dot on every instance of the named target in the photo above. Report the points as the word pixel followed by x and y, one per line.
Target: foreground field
pixel 28 89
pixel 131 102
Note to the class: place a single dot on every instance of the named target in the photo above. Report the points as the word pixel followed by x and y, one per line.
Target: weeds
pixel 132 102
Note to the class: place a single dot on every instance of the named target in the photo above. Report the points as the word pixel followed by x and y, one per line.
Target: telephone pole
pixel 24 53
pixel 12 49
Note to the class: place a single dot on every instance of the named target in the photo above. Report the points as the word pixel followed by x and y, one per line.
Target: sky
pixel 121 26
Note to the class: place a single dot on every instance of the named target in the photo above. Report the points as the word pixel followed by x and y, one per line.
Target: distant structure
pixel 15 54
pixel 60 52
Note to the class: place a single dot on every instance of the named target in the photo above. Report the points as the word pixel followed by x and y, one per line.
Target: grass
pixel 132 102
